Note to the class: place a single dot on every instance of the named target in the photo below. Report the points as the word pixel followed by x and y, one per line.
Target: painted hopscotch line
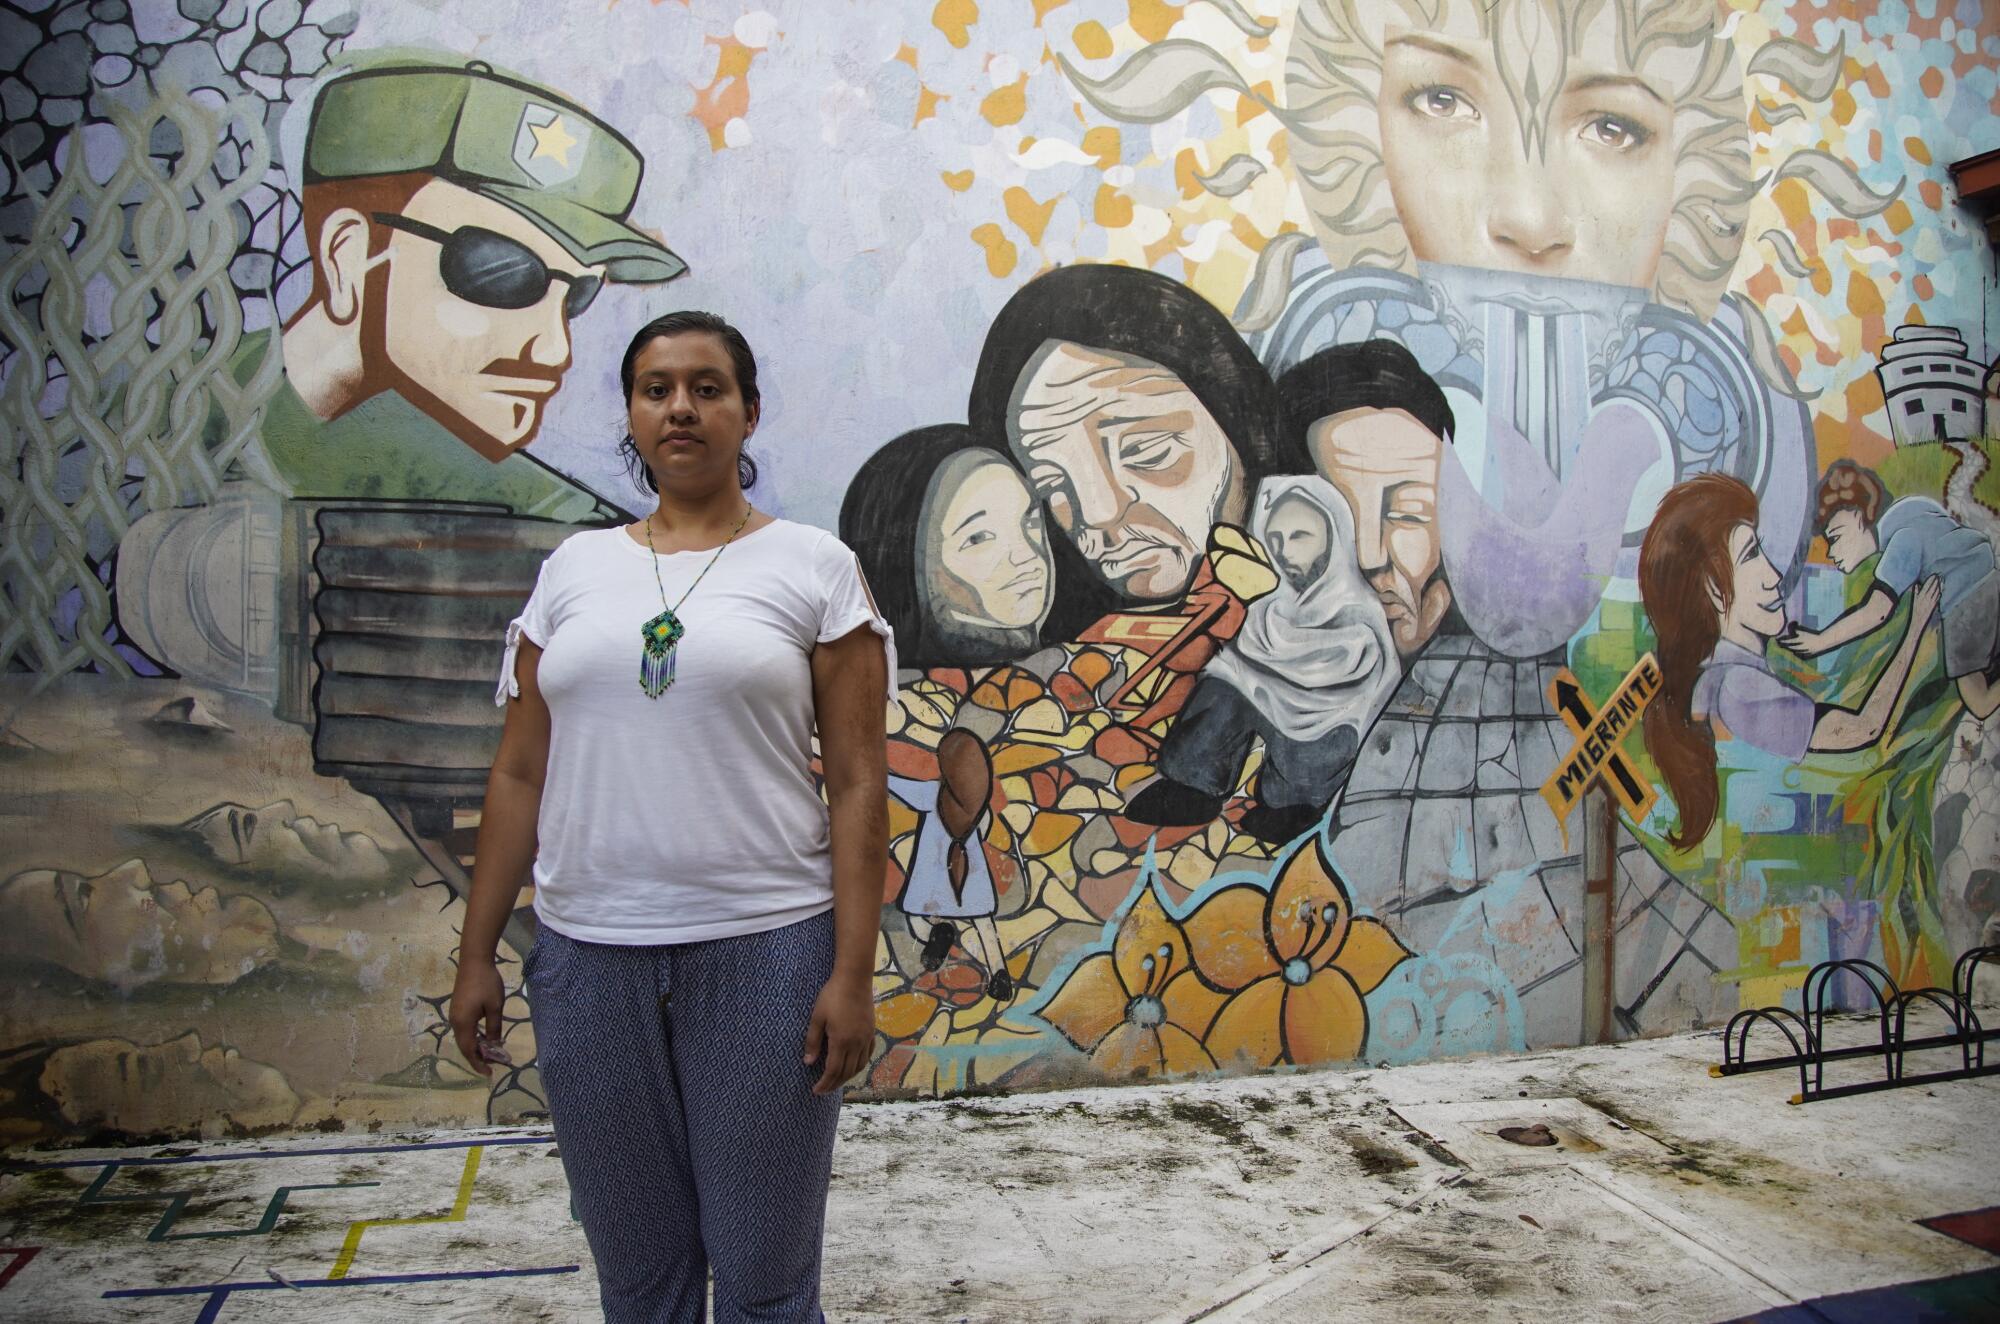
pixel 219 1293
pixel 21 1254
pixel 33 1165
pixel 178 1201
pixel 352 1246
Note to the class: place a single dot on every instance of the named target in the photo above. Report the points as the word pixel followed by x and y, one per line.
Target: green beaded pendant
pixel 656 668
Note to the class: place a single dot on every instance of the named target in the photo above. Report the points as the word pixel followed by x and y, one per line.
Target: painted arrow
pixel 1599 732
pixel 1578 716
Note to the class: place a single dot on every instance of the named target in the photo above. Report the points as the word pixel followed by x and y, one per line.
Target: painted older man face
pixel 1386 464
pixel 1132 465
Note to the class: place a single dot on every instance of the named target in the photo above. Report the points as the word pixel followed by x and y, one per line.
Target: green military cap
pixel 541 154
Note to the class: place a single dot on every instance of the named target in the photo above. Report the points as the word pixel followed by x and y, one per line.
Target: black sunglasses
pixel 494 271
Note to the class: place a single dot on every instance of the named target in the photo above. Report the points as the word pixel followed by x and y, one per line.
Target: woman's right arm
pixel 1839 730
pixel 502 856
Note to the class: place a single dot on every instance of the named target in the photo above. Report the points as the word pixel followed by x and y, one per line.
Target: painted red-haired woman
pixel 1715 602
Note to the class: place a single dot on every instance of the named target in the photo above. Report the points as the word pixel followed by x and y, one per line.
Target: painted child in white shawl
pixel 1308 673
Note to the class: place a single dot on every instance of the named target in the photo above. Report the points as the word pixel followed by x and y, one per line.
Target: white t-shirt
pixel 694 815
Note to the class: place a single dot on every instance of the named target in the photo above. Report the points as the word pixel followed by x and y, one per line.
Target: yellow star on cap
pixel 552 140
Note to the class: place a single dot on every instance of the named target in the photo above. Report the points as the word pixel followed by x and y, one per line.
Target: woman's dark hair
pixel 1685 557
pixel 881 519
pixel 965 788
pixel 1126 310
pixel 740 357
pixel 1368 374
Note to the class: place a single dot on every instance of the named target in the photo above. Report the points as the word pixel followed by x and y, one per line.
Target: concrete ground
pixel 1371 1195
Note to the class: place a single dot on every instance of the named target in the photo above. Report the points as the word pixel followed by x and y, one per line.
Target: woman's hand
pixel 476 999
pixel 841 1034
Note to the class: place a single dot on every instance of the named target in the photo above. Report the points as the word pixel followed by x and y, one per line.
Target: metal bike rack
pixel 1805 1031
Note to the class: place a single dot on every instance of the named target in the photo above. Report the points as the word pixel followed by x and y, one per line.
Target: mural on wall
pixel 1242 412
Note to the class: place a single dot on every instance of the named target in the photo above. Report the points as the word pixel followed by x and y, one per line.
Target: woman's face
pixel 1754 600
pixel 687 413
pixel 988 545
pixel 1573 180
pixel 1133 467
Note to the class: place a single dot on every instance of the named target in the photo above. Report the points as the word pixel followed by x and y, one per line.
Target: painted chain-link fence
pixel 120 317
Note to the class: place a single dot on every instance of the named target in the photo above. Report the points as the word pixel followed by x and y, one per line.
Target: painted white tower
pixel 1932 387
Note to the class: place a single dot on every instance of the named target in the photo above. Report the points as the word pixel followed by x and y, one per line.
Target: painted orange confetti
pixel 1153 19
pixel 1006 105
pixel 954 18
pixel 1113 209
pixel 1032 217
pixel 1001 255
pixel 927 104
pixel 727 97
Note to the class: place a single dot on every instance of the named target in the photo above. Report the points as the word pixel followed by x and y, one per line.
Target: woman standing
pixel 1714 601
pixel 700 978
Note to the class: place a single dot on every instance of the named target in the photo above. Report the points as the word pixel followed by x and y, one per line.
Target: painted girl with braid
pixel 948 894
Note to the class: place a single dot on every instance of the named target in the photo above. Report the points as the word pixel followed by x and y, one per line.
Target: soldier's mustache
pixel 528 369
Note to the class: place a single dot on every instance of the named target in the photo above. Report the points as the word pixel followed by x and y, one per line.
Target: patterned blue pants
pixel 688 1127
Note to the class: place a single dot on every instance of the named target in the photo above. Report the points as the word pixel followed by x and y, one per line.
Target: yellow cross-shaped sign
pixel 1599 732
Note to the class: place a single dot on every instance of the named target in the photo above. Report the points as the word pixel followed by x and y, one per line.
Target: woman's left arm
pixel 850 676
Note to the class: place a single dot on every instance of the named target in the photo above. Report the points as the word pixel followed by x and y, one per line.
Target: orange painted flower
pixel 1139 1008
pixel 1293 964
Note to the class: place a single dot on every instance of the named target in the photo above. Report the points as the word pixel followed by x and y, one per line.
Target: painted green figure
pixel 386 447
pixel 457 219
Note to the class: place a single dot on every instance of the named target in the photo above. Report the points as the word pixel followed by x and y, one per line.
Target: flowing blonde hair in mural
pixel 1332 85
pixel 119 321
pixel 1333 81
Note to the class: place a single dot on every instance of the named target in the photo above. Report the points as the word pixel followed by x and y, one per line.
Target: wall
pixel 1445 299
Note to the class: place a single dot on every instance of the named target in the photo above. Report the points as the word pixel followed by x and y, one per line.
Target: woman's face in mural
pixel 1755 603
pixel 122 921
pixel 1578 183
pixel 986 545
pixel 1133 467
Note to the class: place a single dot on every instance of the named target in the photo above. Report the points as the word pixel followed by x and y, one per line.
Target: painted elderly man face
pixel 1133 467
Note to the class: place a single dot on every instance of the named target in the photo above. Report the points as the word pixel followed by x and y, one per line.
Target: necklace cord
pixel 675 609
pixel 662 634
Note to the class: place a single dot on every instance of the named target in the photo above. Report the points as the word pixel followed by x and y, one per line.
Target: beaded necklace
pixel 662 634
